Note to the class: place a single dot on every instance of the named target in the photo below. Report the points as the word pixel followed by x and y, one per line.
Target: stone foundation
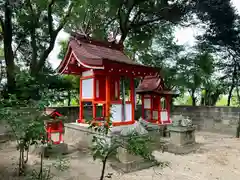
pixel 53 150
pixel 182 140
pixel 80 136
pixel 56 150
pixel 181 136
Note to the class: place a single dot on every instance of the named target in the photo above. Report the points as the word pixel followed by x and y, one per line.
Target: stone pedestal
pixel 182 139
pixel 126 162
pixel 80 136
pixel 51 150
pixel 182 135
pixel 56 150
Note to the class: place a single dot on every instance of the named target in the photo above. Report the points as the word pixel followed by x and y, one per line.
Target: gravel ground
pixel 218 158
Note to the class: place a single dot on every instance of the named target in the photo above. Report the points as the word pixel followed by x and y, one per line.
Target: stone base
pixel 51 150
pixel 80 136
pixel 181 150
pixel 181 136
pixel 4 137
pixel 128 167
pixel 182 140
pixel 56 150
pixel 126 162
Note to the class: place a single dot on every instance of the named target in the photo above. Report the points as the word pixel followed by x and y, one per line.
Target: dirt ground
pixel 218 158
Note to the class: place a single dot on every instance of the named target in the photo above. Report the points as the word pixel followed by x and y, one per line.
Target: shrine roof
pixel 153 84
pixel 52 112
pixel 97 53
pixel 93 54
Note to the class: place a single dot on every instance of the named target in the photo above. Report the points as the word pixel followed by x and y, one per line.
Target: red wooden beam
pixel 132 98
pixel 107 98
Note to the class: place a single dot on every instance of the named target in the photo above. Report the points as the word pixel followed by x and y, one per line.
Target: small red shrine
pixel 54 127
pixel 101 67
pixel 155 100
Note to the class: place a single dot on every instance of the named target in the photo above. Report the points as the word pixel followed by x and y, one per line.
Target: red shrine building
pixel 102 66
pixel 156 100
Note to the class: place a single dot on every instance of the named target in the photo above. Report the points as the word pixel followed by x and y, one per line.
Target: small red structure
pixel 102 66
pixel 155 100
pixel 54 127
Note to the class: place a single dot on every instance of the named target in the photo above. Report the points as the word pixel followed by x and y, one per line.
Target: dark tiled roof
pixel 84 52
pixel 96 54
pixel 153 84
pixel 97 51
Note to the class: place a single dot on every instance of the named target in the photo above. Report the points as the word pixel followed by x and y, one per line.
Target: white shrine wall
pixel 87 73
pixel 87 88
pixel 87 85
pixel 164 116
pixel 116 112
pixel 147 103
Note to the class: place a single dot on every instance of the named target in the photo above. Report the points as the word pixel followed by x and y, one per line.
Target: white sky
pixel 183 36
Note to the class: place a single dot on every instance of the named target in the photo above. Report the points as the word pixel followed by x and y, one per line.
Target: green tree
pixel 193 71
pixel 32 26
pixel 222 36
pixel 127 18
pixel 73 91
pixel 212 91
pixel 104 147
pixel 26 122
pixel 63 49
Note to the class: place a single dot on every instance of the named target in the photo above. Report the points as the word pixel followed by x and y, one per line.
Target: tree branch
pixel 135 24
pixel 50 19
pixel 2 23
pixel 130 8
pixel 137 16
pixel 17 48
pixel 64 19
pixel 53 36
pixel 143 23
pixel 33 37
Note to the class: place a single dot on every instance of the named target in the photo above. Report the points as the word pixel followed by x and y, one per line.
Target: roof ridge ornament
pixel 87 39
pixel 77 35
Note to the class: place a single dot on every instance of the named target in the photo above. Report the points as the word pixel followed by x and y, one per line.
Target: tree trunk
pixel 40 175
pixel 8 51
pixel 203 98
pixel 214 98
pixel 69 98
pixel 238 97
pixel 193 97
pixel 193 101
pixel 230 94
pixel 103 168
pixel 238 127
pixel 27 152
pixel 21 160
pixel 232 85
pixel 43 57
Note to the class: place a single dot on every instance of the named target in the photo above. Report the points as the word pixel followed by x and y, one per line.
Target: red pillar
pixel 80 103
pixel 143 106
pixel 94 98
pixel 159 109
pixel 132 98
pixel 107 98
pixel 151 107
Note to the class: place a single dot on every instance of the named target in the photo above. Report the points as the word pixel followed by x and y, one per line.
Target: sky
pixel 182 35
